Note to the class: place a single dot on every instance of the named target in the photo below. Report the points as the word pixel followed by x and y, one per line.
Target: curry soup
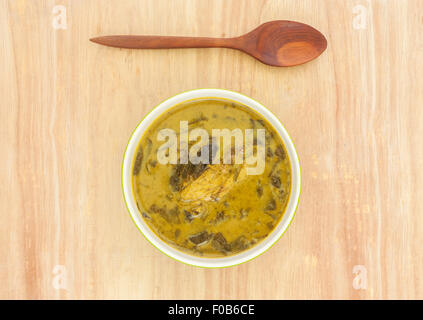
pixel 211 210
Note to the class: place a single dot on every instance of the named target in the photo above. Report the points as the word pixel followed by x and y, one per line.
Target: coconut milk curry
pixel 211 210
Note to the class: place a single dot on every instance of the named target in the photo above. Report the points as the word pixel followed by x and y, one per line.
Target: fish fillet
pixel 214 183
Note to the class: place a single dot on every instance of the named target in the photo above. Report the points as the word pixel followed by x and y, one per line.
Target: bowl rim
pixel 205 262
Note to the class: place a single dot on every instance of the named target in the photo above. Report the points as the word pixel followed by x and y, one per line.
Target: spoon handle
pixel 163 42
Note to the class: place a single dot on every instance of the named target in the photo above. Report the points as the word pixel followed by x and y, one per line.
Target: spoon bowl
pixel 283 43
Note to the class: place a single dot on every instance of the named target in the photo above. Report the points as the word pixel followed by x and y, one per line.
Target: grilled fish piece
pixel 213 184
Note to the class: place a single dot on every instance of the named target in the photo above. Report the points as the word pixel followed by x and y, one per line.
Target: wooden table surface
pixel 68 108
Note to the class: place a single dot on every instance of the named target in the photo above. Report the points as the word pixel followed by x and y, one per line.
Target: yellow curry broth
pixel 240 209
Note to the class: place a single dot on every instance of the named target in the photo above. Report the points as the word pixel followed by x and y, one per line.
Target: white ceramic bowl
pixel 249 254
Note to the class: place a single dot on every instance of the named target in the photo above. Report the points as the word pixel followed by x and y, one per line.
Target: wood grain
pixel 69 107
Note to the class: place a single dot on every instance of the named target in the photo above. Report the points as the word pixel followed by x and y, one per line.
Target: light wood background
pixel 68 108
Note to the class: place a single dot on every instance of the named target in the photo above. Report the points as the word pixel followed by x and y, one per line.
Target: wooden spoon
pixel 277 43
